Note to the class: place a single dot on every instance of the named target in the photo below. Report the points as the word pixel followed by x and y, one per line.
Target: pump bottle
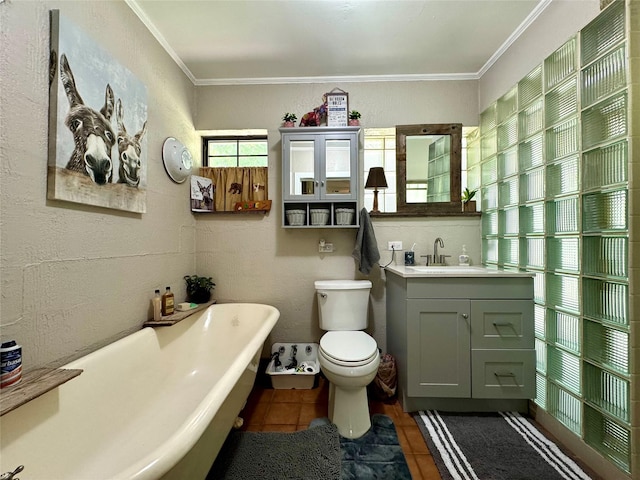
pixel 463 259
pixel 156 302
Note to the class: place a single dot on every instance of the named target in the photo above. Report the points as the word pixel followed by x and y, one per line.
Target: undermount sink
pixel 452 269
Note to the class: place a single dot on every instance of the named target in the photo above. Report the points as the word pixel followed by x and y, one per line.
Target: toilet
pixel 348 356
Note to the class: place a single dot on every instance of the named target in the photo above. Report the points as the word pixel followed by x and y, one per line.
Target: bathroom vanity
pixel 463 337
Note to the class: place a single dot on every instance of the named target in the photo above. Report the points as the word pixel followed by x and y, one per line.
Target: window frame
pixel 233 138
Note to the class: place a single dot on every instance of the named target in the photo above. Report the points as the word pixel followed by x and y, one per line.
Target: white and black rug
pixel 496 446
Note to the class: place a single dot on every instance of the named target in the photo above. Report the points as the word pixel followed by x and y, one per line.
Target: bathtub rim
pixel 163 458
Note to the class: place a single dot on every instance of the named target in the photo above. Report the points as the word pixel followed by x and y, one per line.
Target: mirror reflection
pixel 428 164
pixel 428 169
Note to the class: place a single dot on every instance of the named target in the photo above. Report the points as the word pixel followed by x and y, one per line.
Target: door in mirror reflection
pixel 302 173
pixel 338 167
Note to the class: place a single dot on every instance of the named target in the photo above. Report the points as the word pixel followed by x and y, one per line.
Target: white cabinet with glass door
pixel 320 176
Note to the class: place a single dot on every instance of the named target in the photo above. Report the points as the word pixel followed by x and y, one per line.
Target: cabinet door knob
pixel 465 315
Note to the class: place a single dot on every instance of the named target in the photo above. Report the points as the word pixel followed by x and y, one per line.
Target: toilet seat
pixel 349 348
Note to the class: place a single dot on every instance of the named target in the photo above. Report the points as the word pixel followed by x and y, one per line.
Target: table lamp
pixel 376 180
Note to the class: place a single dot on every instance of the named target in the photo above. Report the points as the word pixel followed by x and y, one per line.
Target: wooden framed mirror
pixel 428 168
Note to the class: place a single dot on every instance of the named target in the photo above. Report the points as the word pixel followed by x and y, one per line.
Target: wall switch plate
pixel 395 245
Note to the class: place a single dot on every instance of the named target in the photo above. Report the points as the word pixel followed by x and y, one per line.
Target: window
pixel 235 151
pixel 380 151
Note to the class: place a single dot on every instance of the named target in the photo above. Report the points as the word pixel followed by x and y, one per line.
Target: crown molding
pixel 160 38
pixel 542 5
pixel 535 13
pixel 338 79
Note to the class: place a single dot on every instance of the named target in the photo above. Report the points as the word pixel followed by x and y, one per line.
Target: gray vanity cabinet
pixel 320 177
pixel 462 343
pixel 438 348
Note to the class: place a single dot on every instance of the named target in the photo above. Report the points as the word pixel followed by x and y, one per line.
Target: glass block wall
pixel 551 163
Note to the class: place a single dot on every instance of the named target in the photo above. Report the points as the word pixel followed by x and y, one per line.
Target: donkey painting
pixel 206 202
pixel 92 133
pixel 202 192
pixel 128 151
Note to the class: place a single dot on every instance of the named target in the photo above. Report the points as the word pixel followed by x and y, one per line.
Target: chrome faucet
pixel 435 249
pixel 436 259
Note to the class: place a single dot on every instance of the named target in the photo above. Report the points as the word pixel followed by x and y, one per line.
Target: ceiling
pixel 222 42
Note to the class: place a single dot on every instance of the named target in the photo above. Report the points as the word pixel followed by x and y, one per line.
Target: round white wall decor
pixel 177 160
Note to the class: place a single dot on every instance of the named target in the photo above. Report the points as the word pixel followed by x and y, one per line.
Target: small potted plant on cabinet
pixel 354 118
pixel 289 120
pixel 199 288
pixel 467 204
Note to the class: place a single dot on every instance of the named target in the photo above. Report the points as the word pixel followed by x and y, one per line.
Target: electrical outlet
pixel 325 247
pixel 395 245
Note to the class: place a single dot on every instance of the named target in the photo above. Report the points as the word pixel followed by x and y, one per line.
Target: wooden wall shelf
pixel 33 384
pixel 174 318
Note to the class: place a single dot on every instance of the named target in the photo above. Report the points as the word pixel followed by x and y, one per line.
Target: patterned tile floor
pixel 270 410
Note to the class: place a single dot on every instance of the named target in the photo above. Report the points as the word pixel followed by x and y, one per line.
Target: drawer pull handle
pixel 465 315
pixel 504 374
pixel 503 324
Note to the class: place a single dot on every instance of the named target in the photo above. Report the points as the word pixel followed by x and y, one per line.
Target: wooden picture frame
pixel 81 70
pixel 337 108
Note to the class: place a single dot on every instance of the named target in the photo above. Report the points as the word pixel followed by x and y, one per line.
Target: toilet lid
pixel 348 347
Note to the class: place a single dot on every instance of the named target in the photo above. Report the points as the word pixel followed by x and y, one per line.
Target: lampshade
pixel 376 178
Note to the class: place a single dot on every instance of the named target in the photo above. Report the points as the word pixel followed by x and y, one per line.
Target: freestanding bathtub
pixel 156 404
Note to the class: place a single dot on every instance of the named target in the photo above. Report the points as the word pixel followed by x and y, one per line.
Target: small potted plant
pixel 199 288
pixel 289 120
pixel 354 118
pixel 467 204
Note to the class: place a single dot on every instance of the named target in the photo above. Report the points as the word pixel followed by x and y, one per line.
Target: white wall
pixel 252 258
pixel 76 277
pixel 73 278
pixel 559 21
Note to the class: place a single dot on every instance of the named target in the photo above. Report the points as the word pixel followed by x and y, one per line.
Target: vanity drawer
pixel 503 373
pixel 502 324
pixel 490 288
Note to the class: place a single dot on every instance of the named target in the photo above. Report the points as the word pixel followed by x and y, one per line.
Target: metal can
pixel 10 363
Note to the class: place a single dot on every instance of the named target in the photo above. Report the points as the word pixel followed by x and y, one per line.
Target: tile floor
pixel 270 410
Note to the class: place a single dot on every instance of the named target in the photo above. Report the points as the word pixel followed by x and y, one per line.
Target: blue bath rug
pixel 377 455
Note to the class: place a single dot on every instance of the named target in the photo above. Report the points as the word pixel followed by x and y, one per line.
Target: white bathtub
pixel 156 404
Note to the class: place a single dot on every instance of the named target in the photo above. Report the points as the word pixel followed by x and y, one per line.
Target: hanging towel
pixel 366 250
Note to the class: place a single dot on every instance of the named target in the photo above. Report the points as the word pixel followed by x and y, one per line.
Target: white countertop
pixel 421 271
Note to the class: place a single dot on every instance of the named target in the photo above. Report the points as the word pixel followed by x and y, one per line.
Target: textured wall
pixel 253 259
pixel 555 25
pixel 75 277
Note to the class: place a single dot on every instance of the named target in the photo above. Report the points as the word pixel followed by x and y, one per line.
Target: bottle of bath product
pixel 463 259
pixel 156 302
pixel 167 302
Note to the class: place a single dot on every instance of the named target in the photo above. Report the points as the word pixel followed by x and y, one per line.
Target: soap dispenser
pixel 463 259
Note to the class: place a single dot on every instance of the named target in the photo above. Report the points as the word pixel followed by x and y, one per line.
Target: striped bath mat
pixel 497 446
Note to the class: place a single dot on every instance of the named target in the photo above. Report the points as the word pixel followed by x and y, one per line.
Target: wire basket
pixel 344 216
pixel 296 217
pixel 319 216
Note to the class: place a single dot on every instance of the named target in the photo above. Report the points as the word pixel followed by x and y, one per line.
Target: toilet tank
pixel 342 304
